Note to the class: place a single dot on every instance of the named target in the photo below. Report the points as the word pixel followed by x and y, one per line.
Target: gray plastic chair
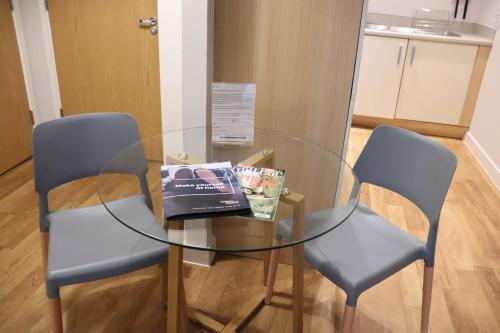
pixel 88 243
pixel 366 248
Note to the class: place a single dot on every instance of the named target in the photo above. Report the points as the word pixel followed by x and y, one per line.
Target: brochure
pixel 201 190
pixel 262 188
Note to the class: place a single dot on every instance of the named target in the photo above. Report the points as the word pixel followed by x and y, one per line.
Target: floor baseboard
pixel 483 159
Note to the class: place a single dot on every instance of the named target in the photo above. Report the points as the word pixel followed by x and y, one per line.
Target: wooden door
pixel 380 73
pixel 105 61
pixel 435 81
pixel 15 123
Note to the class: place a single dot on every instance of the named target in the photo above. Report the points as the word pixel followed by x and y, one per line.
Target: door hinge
pixel 11 5
pixel 32 118
pixel 46 3
pixel 61 112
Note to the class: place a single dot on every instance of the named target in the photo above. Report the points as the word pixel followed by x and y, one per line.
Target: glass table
pixel 315 179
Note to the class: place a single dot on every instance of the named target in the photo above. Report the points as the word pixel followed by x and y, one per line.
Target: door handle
pixel 147 22
pixel 399 53
pixel 413 50
pixel 151 23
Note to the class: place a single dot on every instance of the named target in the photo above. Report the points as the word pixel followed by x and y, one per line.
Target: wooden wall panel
pixel 301 55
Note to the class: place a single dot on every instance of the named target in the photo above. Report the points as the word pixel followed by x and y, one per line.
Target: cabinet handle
pixel 399 53
pixel 413 50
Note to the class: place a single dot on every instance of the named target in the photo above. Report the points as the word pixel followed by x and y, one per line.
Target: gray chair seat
pixel 361 252
pixel 89 243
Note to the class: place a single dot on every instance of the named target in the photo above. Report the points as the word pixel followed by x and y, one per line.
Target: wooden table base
pixel 178 313
pixel 241 317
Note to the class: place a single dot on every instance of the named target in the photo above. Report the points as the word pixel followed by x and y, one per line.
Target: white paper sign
pixel 233 112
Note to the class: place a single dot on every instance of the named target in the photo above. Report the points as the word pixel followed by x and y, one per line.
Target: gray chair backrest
pixel 78 146
pixel 412 165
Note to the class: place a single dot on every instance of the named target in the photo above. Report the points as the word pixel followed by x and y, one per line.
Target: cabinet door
pixel 380 72
pixel 435 81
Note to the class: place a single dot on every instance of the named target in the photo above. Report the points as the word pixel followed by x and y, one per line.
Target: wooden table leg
pixel 175 285
pixel 298 266
pixel 184 309
pixel 298 287
pixel 273 267
pixel 265 158
pixel 177 308
pixel 268 241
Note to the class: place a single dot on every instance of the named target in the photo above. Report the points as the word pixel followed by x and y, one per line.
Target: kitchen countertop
pixel 465 38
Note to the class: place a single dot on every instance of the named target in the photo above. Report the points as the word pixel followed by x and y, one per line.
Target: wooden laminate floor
pixel 466 295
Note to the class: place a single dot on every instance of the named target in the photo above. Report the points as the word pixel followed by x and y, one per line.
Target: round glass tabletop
pixel 317 181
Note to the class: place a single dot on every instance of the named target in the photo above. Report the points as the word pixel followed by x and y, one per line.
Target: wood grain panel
pixel 300 54
pixel 105 61
pixel 474 85
pixel 15 123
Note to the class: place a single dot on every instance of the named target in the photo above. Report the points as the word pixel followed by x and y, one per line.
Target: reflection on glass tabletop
pixel 130 188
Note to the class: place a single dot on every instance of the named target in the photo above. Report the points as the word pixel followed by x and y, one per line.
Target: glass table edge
pixel 230 250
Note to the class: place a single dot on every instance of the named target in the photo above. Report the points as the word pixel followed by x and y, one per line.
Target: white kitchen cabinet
pixel 435 81
pixel 381 67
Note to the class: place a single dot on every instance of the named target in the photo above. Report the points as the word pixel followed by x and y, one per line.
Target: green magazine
pixel 262 188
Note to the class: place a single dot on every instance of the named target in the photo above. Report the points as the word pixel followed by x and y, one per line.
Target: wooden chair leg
pixel 44 244
pixel 348 320
pixel 56 315
pixel 54 303
pixel 271 275
pixel 426 298
pixel 165 285
pixel 184 311
pixel 175 292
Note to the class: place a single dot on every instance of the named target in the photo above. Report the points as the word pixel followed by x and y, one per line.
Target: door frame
pixel 31 21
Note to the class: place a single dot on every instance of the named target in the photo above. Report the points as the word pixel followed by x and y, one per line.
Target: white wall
pixel 183 62
pixel 488 13
pixel 194 62
pixel 405 7
pixel 184 67
pixel 37 56
pixel 170 45
pixel 483 138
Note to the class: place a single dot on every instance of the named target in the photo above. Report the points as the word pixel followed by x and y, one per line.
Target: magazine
pixel 201 190
pixel 262 188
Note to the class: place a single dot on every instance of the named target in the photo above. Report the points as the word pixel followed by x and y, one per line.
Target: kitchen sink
pixel 452 34
pixel 383 27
